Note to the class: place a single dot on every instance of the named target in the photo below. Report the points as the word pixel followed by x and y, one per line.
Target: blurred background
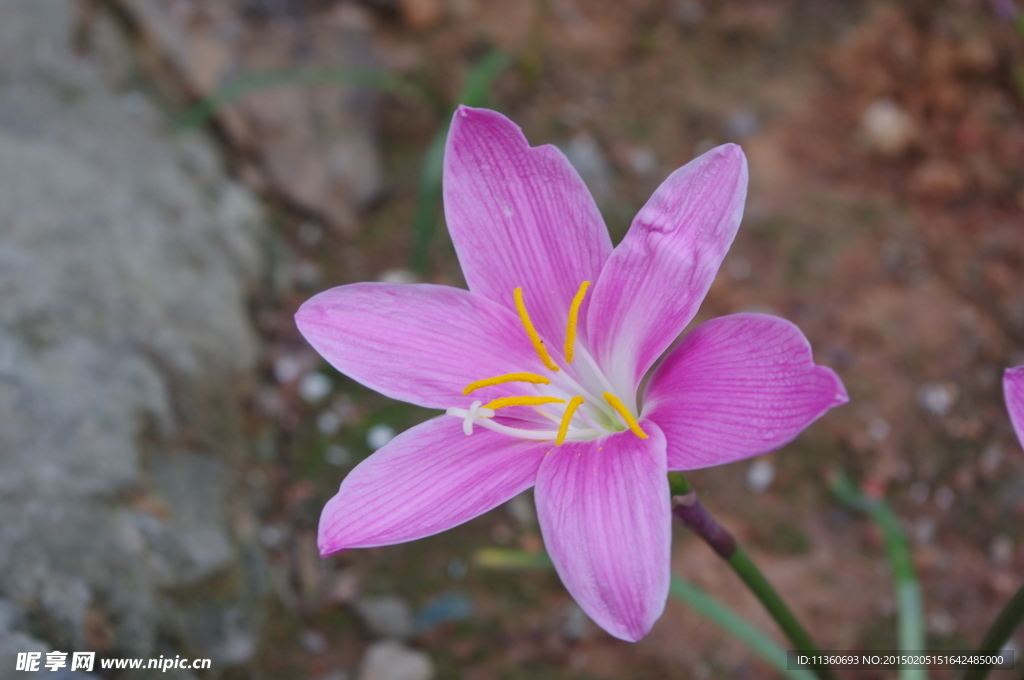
pixel 177 176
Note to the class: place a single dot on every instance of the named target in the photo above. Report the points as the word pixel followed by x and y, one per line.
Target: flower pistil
pixel 604 416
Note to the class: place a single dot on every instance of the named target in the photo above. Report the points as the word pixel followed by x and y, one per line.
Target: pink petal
pixel 738 386
pixel 1013 389
pixel 657 277
pixel 426 480
pixel 418 343
pixel 520 216
pixel 604 511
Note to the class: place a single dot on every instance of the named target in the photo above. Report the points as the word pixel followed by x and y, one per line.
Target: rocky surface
pixel 309 138
pixel 126 257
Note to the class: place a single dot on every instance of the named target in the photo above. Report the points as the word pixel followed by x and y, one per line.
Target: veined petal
pixel 520 216
pixel 738 386
pixel 426 480
pixel 603 508
pixel 418 343
pixel 1013 391
pixel 657 277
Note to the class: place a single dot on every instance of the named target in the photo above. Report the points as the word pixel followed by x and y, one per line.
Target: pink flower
pixel 1013 392
pixel 538 366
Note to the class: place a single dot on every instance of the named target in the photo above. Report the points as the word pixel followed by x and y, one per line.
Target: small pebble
pixel 444 608
pixel 924 530
pixel 888 128
pixel 879 429
pixel 457 569
pixel 742 123
pixel 379 435
pixel 643 161
pixel 313 641
pixel 391 660
pixel 287 369
pixel 328 423
pixel 522 511
pixel 941 624
pixel 738 267
pixel 314 387
pixel 919 491
pixel 991 458
pixel 937 397
pixel 386 616
pixel 760 475
pixel 397 276
pixel 1001 551
pixel 944 497
pixel 271 536
pixel 576 623
pixel 689 12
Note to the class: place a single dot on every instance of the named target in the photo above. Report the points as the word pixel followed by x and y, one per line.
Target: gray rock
pixel 126 255
pixel 390 660
pixel 386 616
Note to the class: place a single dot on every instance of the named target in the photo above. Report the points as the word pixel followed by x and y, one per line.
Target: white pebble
pixel 397 276
pixel 879 429
pixel 888 128
pixel 314 387
pixel 328 423
pixel 287 369
pixel 937 398
pixel 379 435
pixel 760 475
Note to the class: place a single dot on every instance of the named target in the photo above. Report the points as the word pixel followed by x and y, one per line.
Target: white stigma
pixel 469 416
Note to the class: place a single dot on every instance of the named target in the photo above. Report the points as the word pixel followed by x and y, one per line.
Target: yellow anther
pixel 522 401
pixel 538 344
pixel 563 428
pixel 627 417
pixel 507 378
pixel 574 312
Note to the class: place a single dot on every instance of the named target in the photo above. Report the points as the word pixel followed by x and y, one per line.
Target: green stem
pixel 730 622
pixel 999 633
pixel 910 626
pixel 746 569
pixel 691 512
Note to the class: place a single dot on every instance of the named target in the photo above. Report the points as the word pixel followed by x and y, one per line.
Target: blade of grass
pixel 911 634
pixel 999 634
pixel 732 623
pixel 704 604
pixel 242 86
pixel 475 92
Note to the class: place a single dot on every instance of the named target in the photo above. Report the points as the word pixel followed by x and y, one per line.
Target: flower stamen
pixel 507 378
pixel 563 427
pixel 538 344
pixel 627 417
pixel 574 311
pixel 522 401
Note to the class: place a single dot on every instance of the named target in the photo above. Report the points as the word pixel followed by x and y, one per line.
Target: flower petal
pixel 1013 391
pixel 657 277
pixel 520 216
pixel 738 386
pixel 603 508
pixel 418 343
pixel 426 480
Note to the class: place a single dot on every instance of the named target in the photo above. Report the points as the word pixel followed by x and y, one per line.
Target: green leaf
pixel 242 86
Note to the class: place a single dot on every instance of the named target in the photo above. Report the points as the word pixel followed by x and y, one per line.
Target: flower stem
pixel 999 633
pixel 691 512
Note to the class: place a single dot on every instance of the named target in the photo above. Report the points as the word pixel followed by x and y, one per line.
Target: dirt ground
pixel 885 218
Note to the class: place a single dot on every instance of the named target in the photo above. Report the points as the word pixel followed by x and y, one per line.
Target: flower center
pixel 577 397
